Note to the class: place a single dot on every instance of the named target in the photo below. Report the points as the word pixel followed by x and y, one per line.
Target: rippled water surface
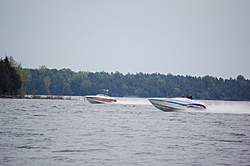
pixel 129 132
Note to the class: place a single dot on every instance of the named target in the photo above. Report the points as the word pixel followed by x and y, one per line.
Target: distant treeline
pixel 44 81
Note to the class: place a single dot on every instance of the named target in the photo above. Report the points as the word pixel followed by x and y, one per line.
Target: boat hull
pixel 173 104
pixel 100 99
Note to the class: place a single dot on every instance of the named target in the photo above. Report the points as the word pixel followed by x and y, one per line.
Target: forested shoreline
pixel 44 81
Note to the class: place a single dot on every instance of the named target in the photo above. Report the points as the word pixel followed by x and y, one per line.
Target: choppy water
pixel 130 132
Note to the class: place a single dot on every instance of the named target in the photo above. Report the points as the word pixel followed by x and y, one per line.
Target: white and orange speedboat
pixel 177 103
pixel 100 99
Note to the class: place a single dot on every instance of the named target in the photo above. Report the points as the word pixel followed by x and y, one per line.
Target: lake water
pixel 129 132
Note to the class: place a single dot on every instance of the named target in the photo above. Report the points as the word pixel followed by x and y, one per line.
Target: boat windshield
pixel 102 95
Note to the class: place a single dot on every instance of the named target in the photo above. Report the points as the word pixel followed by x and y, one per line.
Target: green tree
pixel 124 90
pixel 85 86
pixel 47 83
pixel 24 75
pixel 5 80
pixel 10 81
pixel 66 89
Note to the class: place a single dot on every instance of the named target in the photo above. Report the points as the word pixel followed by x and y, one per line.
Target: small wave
pixel 26 147
pixel 239 135
pixel 143 153
pixel 39 115
pixel 229 140
pixel 67 150
pixel 76 150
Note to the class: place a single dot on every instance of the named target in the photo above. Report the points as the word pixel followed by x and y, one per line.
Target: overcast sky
pixel 182 37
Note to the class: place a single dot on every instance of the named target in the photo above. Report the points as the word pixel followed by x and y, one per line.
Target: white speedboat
pixel 177 103
pixel 100 99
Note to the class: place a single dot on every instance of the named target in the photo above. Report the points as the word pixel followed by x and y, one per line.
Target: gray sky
pixel 182 37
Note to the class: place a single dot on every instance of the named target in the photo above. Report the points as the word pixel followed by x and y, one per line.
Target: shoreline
pixel 51 97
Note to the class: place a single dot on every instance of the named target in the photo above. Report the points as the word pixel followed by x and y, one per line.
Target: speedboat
pixel 100 99
pixel 177 103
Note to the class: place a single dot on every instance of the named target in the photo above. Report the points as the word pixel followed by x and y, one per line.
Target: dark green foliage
pixel 10 81
pixel 67 82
